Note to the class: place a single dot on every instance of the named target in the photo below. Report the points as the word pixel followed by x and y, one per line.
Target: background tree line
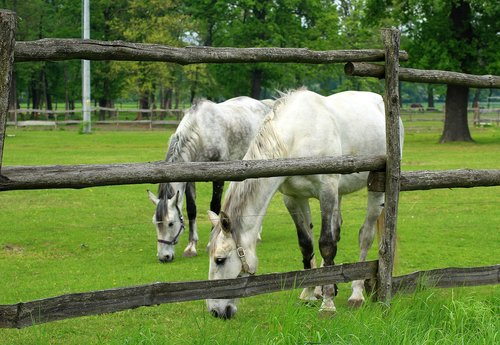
pixel 459 35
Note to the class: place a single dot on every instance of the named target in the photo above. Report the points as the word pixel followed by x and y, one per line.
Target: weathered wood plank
pixel 65 49
pixel 361 69
pixel 82 176
pixel 7 43
pixel 447 278
pixel 434 179
pixel 393 165
pixel 106 301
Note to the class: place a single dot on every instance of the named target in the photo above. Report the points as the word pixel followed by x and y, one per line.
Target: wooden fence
pixel 52 118
pixel 386 176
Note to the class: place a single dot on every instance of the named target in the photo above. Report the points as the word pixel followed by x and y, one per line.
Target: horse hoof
pixel 190 254
pixel 307 295
pixel 318 292
pixel 327 307
pixel 308 299
pixel 355 303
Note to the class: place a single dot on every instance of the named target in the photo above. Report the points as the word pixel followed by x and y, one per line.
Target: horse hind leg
pixel 366 237
pixel 330 232
pixel 301 214
pixel 190 250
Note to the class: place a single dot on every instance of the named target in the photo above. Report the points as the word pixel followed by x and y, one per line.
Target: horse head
pixel 168 221
pixel 229 258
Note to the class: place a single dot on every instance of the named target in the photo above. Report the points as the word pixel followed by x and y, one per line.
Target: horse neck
pixel 184 145
pixel 246 204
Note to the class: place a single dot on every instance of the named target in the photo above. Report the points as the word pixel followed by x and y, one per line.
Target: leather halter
pixel 181 229
pixel 245 268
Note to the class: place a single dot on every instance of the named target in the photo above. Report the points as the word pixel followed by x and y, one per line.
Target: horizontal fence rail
pixel 62 307
pixel 435 179
pixel 107 301
pixel 361 69
pixel 67 49
pixel 82 176
pixel 48 123
pixel 447 278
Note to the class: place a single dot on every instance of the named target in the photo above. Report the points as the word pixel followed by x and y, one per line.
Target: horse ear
pixel 225 222
pixel 153 198
pixel 214 218
pixel 170 191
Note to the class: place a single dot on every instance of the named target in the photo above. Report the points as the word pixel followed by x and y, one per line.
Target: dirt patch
pixel 13 248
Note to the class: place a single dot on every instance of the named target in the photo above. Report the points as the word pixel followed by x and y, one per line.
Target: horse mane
pixel 184 142
pixel 267 144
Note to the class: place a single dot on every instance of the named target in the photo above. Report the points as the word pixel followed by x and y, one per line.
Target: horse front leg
pixel 193 228
pixel 215 202
pixel 301 214
pixel 330 233
pixel 366 237
pixel 217 189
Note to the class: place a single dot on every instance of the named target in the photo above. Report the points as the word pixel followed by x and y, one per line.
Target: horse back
pixel 347 123
pixel 224 130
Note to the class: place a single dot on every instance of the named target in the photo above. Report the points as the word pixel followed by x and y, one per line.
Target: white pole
pixel 86 71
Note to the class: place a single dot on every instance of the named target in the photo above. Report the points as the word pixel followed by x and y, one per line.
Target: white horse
pixel 208 132
pixel 302 124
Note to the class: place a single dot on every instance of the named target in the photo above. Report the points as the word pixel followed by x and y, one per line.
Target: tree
pixel 258 23
pixel 152 21
pixel 457 35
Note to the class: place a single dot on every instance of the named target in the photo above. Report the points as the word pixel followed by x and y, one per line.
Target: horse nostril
pixel 214 313
pixel 229 312
pixel 166 258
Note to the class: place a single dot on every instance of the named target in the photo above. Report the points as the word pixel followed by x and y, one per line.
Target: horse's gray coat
pixel 208 132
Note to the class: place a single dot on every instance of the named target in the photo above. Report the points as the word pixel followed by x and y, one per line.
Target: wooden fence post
pixel 393 165
pixel 7 44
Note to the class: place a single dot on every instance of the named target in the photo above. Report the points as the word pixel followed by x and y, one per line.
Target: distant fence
pixel 477 116
pixel 53 118
pixel 36 177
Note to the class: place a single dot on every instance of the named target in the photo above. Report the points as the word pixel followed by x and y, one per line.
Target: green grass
pixel 54 242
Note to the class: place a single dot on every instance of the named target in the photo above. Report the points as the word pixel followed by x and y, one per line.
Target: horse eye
pixel 171 224
pixel 220 261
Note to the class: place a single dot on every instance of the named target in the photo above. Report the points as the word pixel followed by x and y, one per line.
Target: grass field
pixel 54 242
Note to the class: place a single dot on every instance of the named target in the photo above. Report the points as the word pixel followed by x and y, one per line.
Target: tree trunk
pixel 13 102
pixel 46 91
pixel 35 96
pixel 257 76
pixel 430 97
pixel 456 127
pixel 143 104
pixel 66 91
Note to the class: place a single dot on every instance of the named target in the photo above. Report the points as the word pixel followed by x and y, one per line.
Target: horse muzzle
pixel 222 311
pixel 166 258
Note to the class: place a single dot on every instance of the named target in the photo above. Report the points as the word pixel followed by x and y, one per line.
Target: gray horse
pixel 208 132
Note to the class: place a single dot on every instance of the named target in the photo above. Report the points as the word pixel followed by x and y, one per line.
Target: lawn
pixel 54 242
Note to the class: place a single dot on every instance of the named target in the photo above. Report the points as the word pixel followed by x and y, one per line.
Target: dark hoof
pixel 355 303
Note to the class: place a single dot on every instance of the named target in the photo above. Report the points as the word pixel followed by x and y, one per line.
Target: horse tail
pixel 380 230
pixel 380 224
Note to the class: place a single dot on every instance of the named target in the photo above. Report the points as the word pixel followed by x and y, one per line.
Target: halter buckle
pixel 241 252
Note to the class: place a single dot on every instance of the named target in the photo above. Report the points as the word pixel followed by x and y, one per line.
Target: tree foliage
pixel 427 27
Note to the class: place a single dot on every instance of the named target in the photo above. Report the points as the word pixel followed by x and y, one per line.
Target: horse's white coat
pixel 302 124
pixel 208 132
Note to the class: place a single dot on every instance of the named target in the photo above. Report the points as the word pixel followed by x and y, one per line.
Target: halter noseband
pixel 181 229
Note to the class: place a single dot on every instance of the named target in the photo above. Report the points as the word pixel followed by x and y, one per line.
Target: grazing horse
pixel 208 132
pixel 302 124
